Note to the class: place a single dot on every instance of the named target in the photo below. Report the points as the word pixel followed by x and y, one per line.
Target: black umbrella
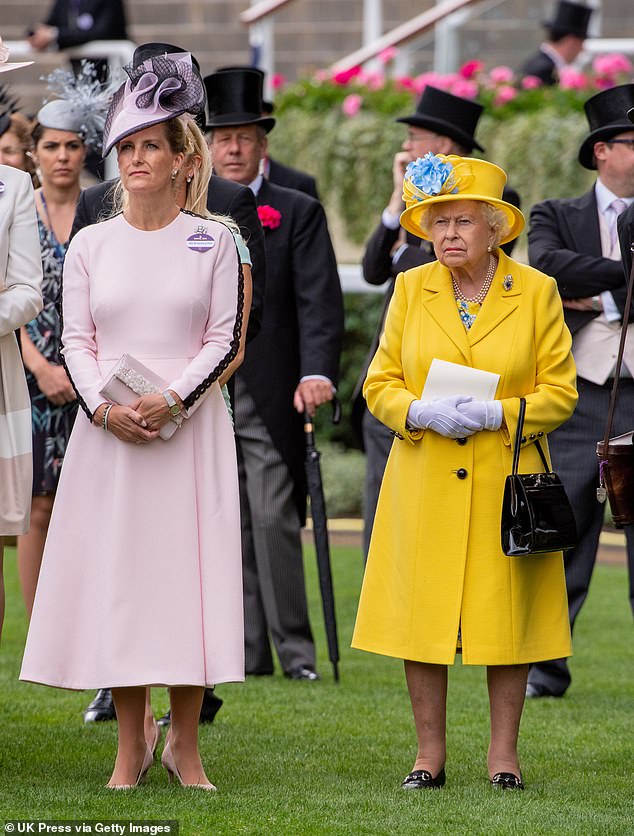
pixel 320 534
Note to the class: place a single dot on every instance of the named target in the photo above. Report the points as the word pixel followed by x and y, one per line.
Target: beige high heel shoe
pixel 147 763
pixel 167 759
pixel 155 739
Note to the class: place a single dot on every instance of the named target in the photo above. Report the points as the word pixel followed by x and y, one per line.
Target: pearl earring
pixel 489 249
pixel 174 173
pixel 189 179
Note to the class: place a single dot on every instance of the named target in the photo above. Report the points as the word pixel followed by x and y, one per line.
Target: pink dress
pixel 141 580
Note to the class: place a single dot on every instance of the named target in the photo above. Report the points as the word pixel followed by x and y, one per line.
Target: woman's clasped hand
pixel 457 416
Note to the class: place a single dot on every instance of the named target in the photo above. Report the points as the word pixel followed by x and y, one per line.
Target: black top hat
pixel 446 114
pixel 570 19
pixel 234 97
pixel 267 106
pixel 154 48
pixel 607 114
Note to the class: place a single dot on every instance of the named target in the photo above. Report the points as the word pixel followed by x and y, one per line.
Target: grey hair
pixel 495 218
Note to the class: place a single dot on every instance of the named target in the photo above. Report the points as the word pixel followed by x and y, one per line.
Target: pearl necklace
pixel 481 294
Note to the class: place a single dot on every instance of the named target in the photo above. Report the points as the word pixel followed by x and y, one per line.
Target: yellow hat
pixel 436 178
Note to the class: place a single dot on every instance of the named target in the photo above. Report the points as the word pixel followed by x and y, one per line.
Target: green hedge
pixel 352 157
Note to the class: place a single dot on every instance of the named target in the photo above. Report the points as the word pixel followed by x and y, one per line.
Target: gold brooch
pixel 507 284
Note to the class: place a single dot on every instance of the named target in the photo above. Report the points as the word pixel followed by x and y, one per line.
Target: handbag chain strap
pixel 619 359
pixel 518 441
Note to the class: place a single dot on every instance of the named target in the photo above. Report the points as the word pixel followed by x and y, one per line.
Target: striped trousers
pixel 272 562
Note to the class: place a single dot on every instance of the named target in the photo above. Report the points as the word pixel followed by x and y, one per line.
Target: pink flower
pixel 613 64
pixel 531 82
pixel 505 94
pixel 605 82
pixel 442 82
pixel 406 82
pixel 388 54
pixel 321 75
pixel 570 79
pixel 344 77
pixel 374 81
pixel 470 69
pixel 277 81
pixel 464 88
pixel 351 105
pixel 270 218
pixel 501 75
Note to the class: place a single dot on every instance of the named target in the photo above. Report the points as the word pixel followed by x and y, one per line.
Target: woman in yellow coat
pixel 436 578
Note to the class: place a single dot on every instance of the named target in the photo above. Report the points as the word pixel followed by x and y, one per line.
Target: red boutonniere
pixel 269 217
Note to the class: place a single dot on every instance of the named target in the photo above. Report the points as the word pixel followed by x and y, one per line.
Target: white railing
pixel 118 53
pixel 603 46
pixel 402 34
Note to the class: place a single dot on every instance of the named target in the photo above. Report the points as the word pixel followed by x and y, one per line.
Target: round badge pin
pixel 200 242
pixel 85 22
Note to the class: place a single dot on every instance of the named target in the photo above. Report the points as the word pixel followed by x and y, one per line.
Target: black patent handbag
pixel 536 513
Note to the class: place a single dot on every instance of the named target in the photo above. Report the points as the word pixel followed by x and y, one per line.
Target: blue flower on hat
pixel 431 175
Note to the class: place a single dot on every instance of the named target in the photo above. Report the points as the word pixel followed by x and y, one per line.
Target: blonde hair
pixel 184 137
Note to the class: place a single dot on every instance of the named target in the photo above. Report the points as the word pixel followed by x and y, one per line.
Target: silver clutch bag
pixel 129 380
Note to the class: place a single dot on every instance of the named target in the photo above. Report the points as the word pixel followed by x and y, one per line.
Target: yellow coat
pixel 435 563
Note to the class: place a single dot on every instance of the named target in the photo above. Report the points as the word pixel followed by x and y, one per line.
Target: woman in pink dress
pixel 143 552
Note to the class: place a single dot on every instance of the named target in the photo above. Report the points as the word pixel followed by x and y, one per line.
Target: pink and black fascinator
pixel 158 89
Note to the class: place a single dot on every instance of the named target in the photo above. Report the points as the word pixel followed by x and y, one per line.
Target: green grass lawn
pixel 320 758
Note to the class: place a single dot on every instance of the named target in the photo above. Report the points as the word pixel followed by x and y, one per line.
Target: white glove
pixel 443 417
pixel 487 413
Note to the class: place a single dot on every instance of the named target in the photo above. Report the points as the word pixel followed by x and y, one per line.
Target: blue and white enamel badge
pixel 200 241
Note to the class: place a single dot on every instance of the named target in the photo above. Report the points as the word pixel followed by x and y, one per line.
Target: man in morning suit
pixel 442 124
pixel 291 366
pixel 566 33
pixel 575 240
pixel 224 198
pixel 276 172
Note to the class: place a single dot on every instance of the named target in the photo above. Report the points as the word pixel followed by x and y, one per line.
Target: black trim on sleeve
pixel 234 345
pixel 222 365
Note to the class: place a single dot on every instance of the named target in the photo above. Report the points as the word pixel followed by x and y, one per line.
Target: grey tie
pixel 616 207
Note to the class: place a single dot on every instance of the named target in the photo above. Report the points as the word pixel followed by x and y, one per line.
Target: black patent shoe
pixel 211 705
pixel 302 672
pixel 101 708
pixel 420 779
pixel 507 781
pixel 165 720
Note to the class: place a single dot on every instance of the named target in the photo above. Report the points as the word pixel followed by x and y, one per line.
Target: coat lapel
pixel 439 301
pixel 502 299
pixel 583 224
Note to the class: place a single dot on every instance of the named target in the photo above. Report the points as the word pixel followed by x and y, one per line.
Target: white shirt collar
pixel 256 184
pixel 605 197
pixel 554 56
